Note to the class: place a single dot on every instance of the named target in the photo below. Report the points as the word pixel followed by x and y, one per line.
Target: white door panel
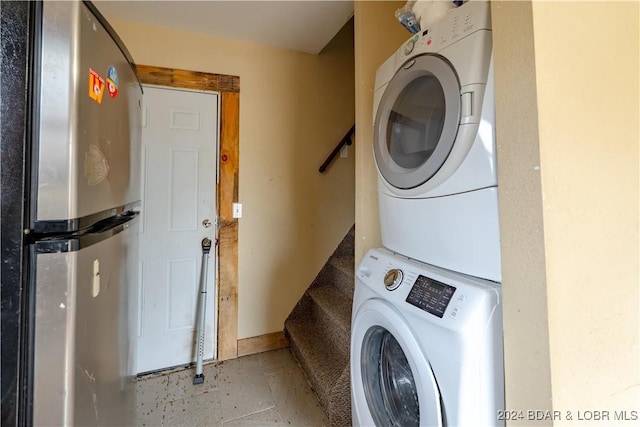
pixel 179 138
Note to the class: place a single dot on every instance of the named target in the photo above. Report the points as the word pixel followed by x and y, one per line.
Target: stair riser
pixel 329 330
pixel 343 282
pixel 330 274
pixel 344 263
pixel 313 376
pixel 337 306
pixel 332 332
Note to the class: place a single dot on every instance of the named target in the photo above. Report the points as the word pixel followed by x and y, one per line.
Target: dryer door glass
pixel 389 386
pixel 417 121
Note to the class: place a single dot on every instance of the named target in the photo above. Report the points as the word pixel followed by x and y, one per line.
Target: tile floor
pixel 265 389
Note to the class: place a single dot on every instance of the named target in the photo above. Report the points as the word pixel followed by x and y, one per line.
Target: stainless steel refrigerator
pixel 71 106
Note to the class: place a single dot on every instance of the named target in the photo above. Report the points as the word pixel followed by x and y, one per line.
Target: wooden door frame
pixel 227 188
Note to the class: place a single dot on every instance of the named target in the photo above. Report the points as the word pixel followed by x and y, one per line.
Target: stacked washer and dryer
pixel 426 344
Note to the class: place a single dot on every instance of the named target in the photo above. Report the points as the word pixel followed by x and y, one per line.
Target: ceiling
pixel 305 26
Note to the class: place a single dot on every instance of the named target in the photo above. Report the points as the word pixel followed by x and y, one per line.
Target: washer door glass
pixel 389 386
pixel 417 121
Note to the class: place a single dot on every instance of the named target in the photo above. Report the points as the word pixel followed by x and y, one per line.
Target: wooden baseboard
pixel 261 343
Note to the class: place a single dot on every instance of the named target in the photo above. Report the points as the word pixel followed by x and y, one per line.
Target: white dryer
pixel 426 346
pixel 434 146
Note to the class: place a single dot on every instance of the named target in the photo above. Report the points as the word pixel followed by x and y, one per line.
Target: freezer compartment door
pixel 85 326
pixel 88 139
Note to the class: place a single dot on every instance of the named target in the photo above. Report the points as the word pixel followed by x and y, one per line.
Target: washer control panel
pixel 426 292
pixel 430 295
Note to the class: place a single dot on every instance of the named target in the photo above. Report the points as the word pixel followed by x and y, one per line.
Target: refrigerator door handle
pixel 112 222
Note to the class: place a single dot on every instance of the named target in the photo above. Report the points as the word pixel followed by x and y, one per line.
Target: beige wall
pixel 567 100
pixel 377 35
pixel 294 108
pixel 568 119
pixel 589 117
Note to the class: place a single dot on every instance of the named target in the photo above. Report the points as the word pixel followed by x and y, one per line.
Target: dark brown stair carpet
pixel 319 332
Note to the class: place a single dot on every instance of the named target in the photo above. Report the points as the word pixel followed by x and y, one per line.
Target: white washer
pixel 434 146
pixel 426 346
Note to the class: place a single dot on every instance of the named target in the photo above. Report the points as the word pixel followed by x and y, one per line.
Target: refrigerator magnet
pixel 96 86
pixel 112 81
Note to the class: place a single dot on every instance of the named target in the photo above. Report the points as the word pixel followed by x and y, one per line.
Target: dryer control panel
pixel 457 24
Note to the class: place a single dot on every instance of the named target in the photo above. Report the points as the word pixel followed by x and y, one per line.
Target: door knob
pixel 206 223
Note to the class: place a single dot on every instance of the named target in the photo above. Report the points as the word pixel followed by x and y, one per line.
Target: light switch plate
pixel 237 210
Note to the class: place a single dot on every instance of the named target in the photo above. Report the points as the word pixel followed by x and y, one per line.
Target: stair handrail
pixel 346 139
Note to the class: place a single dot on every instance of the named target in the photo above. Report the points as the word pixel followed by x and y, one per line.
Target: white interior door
pixel 179 156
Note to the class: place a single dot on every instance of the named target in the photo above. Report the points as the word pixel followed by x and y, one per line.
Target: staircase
pixel 319 332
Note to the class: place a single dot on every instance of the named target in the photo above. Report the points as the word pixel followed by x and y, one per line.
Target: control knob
pixel 408 48
pixel 393 279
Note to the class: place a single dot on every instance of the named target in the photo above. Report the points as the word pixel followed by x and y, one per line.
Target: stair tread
pixel 335 303
pixel 323 362
pixel 344 263
pixel 342 281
